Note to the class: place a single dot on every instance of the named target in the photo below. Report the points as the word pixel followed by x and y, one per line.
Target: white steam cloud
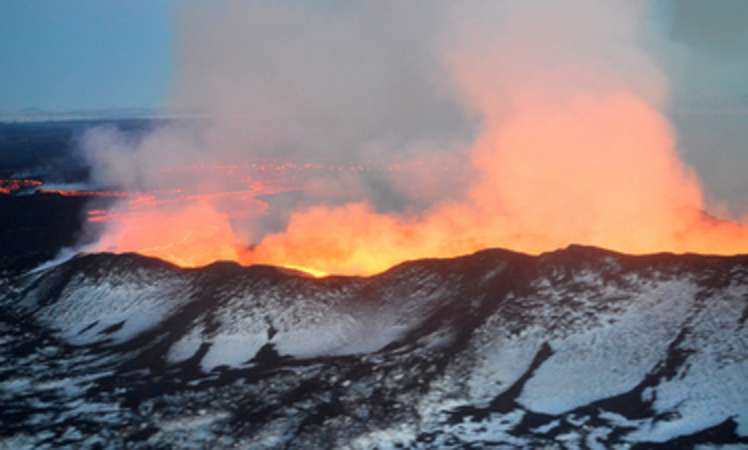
pixel 546 114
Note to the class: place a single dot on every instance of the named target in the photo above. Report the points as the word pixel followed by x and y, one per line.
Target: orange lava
pixel 10 186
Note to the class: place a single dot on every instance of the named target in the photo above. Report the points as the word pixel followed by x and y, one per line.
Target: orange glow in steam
pixel 189 236
pixel 597 171
pixel 567 151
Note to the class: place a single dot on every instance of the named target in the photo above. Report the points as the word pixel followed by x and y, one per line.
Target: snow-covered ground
pixel 579 348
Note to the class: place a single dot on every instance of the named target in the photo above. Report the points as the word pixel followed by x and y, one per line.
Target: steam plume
pixel 547 117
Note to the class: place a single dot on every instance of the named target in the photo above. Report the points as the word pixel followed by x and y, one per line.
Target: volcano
pixel 356 225
pixel 576 348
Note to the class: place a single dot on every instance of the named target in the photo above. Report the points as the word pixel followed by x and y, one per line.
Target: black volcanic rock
pixel 578 348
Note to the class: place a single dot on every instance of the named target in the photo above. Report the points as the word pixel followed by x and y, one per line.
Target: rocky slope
pixel 579 348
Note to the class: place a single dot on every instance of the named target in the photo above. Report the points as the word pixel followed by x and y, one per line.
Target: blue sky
pixel 84 54
pixel 64 55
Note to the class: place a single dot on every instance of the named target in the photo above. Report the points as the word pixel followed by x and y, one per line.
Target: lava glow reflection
pixel 599 170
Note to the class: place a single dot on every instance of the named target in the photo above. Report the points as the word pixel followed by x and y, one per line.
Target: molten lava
pixel 10 186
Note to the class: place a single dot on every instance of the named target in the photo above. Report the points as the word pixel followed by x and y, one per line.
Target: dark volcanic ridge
pixel 578 348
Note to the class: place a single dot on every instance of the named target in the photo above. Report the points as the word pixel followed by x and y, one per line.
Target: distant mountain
pixel 578 348
pixel 37 115
pixel 41 115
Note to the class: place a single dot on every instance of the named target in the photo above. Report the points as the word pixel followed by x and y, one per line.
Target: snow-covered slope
pixel 580 348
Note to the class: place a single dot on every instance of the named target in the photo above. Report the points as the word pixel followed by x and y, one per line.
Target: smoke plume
pixel 454 126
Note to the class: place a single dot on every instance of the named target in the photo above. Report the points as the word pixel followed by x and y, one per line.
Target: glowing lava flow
pixel 10 186
pixel 308 270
